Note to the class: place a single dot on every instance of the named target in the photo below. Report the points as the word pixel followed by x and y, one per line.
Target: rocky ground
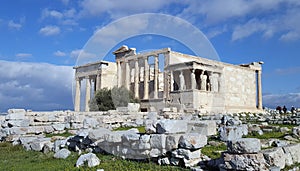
pixel 263 141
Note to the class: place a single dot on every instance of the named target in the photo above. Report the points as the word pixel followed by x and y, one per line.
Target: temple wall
pixel 109 76
pixel 240 88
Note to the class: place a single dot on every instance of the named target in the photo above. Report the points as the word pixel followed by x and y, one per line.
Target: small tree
pixel 106 99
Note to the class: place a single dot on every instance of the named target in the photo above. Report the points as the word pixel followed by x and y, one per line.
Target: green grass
pixel 15 158
pixel 140 128
pixel 65 134
pixel 213 152
pixel 267 135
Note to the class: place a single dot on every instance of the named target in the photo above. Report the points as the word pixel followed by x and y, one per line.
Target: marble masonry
pixel 164 79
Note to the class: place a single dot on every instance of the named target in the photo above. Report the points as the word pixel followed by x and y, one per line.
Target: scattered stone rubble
pixel 176 141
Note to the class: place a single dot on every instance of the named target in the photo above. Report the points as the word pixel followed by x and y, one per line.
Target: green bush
pixel 106 99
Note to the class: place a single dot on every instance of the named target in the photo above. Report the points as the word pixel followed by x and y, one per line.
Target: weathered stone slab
pixel 90 123
pixel 171 126
pixel 172 141
pixel 192 141
pixel 39 143
pixel 158 141
pixel 294 151
pixel 91 159
pixel 187 154
pixel 228 133
pixel 98 134
pixel 62 154
pixel 275 157
pixel 9 111
pixel 15 116
pixel 244 145
pixel 18 123
pixel 207 127
pixel 59 126
pixel 133 107
pixel 35 129
pixel 244 162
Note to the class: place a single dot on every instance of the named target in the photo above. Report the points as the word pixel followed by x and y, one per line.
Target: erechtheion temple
pixel 167 79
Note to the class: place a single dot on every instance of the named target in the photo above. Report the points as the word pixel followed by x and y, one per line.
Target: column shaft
pixel 127 78
pixel 87 94
pixel 146 79
pixel 119 74
pixel 77 95
pixel 98 82
pixel 136 79
pixel 155 96
pixel 259 90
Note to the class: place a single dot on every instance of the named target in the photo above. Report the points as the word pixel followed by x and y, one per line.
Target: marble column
pixel 259 90
pixel 77 95
pixel 181 80
pixel 119 74
pixel 98 82
pixel 136 79
pixel 146 78
pixel 87 94
pixel 155 96
pixel 127 78
pixel 193 79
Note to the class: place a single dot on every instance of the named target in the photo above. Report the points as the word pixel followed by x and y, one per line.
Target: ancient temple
pixel 168 79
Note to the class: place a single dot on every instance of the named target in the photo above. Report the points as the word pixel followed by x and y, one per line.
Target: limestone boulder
pixel 38 144
pixel 98 134
pixel 59 126
pixel 172 141
pixel 90 123
pixel 192 141
pixel 293 151
pixel 275 157
pixel 9 111
pixel 171 126
pixel 244 162
pixel 18 123
pixel 296 131
pixel 244 145
pixel 158 141
pixel 62 154
pixel 15 116
pixel 228 133
pixel 206 127
pixel 91 159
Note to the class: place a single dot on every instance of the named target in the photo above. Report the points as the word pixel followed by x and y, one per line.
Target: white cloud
pixel 51 13
pixel 290 99
pixel 59 53
pixel 37 86
pixel 120 7
pixel 82 54
pixel 49 30
pixel 13 25
pixel 23 55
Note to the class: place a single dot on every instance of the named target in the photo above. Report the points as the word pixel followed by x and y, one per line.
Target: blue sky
pixel 41 40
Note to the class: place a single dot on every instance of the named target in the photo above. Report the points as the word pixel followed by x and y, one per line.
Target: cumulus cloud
pixel 82 53
pixel 37 86
pixel 290 99
pixel 13 25
pixel 120 7
pixel 59 53
pixel 23 55
pixel 49 30
pixel 51 13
